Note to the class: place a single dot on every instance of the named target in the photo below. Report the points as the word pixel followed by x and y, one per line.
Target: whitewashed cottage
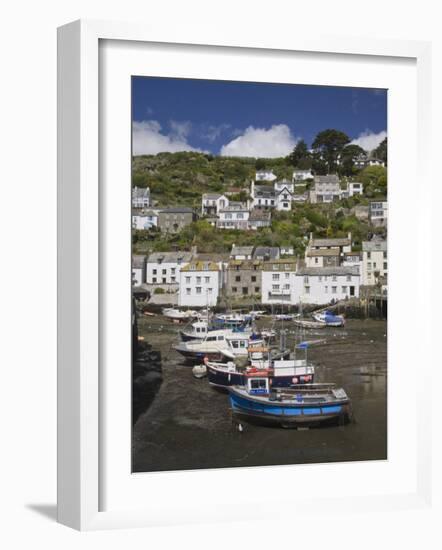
pixel 199 284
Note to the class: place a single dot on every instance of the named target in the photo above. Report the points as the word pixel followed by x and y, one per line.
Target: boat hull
pixel 224 379
pixel 288 415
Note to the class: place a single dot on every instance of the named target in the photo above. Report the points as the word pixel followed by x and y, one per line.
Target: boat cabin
pixel 258 386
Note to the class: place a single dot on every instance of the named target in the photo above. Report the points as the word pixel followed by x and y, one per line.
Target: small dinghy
pixel 306 323
pixel 199 371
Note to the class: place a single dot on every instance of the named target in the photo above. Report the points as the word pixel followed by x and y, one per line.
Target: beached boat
pixel 178 315
pixel 287 407
pixel 282 373
pixel 198 330
pixel 233 318
pixel 329 319
pixel 284 316
pixel 218 344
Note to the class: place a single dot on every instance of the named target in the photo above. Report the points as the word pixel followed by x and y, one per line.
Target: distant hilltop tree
pixel 327 149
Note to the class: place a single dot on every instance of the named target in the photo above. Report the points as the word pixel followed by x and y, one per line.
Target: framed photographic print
pixel 231 221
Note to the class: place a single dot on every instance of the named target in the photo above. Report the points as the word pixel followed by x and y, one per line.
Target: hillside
pixel 179 179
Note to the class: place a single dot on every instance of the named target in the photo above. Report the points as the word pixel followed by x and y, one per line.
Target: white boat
pixel 218 344
pixel 177 314
pixel 329 319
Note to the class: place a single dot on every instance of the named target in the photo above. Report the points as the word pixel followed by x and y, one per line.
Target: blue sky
pixel 249 119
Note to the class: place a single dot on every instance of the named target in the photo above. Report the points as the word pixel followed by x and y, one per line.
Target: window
pixel 209 290
pixel 173 269
pixel 275 287
pixel 275 277
pixel 173 279
pixel 188 291
pixel 234 289
pixel 305 279
pixel 316 260
pixel 287 286
pixel 368 255
pixel 164 271
pixel 240 216
pixel 188 280
pixel 348 277
pixel 154 279
pixel 256 289
pixel 154 271
pixel 220 337
pixel 320 278
pixel 368 265
pixel 253 278
pixel 385 265
pixel 164 280
pixel 334 278
pixel 198 290
pixel 307 289
pixel 245 290
pixel 228 216
pixel 344 289
pixel 198 280
pixel 238 278
pixel 334 289
pixel 374 265
pixel 287 275
pixel 207 279
pixel 258 384
pixel 385 254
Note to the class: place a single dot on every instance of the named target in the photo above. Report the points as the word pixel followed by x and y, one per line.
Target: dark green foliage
pixel 328 145
pixel 381 151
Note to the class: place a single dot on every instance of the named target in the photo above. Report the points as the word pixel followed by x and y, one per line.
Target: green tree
pixel 328 145
pixel 348 157
pixel 299 153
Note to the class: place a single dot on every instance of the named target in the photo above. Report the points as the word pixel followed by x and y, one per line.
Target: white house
pixel 262 196
pixel 234 216
pixel 140 197
pixel 302 175
pixel 265 175
pixel 284 194
pixel 355 188
pixel 163 268
pixel 138 270
pixel 144 219
pixel 374 261
pixel 322 285
pixel 212 203
pixel 199 284
pixel 362 161
pixel 277 282
pixel 378 213
pixel 326 189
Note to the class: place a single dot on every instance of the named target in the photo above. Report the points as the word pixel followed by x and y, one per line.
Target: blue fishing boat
pixel 289 407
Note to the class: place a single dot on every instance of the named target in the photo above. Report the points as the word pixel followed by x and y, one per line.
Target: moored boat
pixel 218 344
pixel 306 323
pixel 281 373
pixel 329 319
pixel 178 315
pixel 287 407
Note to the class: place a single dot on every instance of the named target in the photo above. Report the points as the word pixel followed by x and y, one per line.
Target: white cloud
pixel 276 141
pixel 212 132
pixel 368 140
pixel 148 139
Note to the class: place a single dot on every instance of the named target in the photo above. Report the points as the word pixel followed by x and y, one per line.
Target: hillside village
pixel 278 235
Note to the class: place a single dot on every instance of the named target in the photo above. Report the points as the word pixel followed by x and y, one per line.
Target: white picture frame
pixel 80 295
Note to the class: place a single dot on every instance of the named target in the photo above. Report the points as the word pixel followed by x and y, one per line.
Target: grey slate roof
pixel 264 191
pixel 266 252
pixel 169 257
pixel 212 196
pixel 329 270
pixel 138 262
pixel 140 192
pixel 177 210
pixel 372 246
pixel 241 250
pixel 329 178
pixel 331 242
